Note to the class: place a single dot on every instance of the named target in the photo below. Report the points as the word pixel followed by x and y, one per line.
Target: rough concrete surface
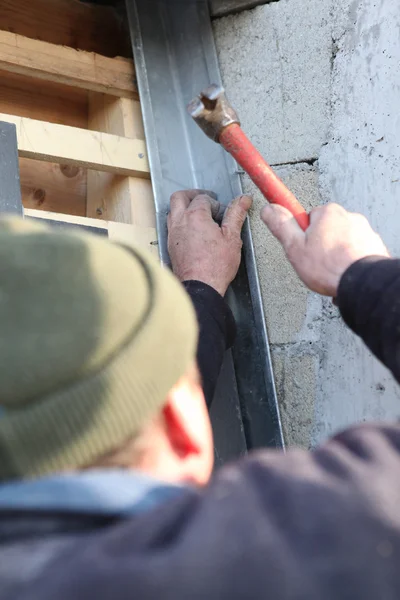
pixel 274 62
pixel 360 169
pixel 295 378
pixel 320 79
pixel 286 317
pixel 292 312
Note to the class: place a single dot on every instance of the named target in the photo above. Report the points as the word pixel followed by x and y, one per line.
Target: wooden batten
pixel 70 23
pixel 122 233
pixel 68 66
pixel 89 149
pixel 112 197
pixel 53 187
pixel 43 100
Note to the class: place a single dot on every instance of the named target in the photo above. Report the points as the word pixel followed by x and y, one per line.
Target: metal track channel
pixel 175 58
pixel 10 187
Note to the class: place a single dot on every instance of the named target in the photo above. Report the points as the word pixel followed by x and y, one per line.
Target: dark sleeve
pixel 217 332
pixel 316 525
pixel 369 301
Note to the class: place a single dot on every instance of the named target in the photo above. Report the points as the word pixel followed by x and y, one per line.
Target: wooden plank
pixel 122 233
pixel 64 65
pixel 73 146
pixel 74 220
pixel 120 116
pixel 122 199
pixel 53 187
pixel 145 237
pixel 43 100
pixel 71 23
pixel 112 197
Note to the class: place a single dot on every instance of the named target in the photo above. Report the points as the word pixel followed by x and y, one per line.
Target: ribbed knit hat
pixel 93 336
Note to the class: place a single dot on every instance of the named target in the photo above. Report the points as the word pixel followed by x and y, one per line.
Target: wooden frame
pixel 92 162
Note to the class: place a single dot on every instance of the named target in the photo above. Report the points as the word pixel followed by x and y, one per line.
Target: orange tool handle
pixel 235 141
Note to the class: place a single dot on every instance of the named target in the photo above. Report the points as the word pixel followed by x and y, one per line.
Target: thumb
pixel 235 215
pixel 282 225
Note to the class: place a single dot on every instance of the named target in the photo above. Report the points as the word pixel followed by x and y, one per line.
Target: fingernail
pixel 246 202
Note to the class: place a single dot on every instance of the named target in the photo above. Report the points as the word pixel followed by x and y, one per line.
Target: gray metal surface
pixel 175 58
pixel 10 187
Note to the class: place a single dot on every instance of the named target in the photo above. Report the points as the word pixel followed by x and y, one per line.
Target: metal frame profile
pixel 175 58
pixel 10 185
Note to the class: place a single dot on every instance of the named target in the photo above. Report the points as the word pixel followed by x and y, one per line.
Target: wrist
pixel 216 285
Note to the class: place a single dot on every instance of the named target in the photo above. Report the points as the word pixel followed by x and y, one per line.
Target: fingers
pixel 204 202
pixel 181 200
pixel 282 225
pixel 327 211
pixel 235 215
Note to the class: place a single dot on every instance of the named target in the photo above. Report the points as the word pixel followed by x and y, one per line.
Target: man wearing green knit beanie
pixel 98 348
pixel 106 450
pixel 102 411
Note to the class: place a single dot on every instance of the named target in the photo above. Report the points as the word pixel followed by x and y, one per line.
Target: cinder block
pixel 353 386
pixel 276 66
pixel 286 300
pixel 296 379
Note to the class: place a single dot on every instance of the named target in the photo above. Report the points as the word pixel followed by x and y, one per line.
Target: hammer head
pixel 212 111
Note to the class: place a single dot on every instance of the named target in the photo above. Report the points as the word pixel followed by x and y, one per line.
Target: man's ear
pixel 182 443
pixel 188 430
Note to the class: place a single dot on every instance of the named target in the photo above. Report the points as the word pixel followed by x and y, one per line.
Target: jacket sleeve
pixel 217 332
pixel 369 301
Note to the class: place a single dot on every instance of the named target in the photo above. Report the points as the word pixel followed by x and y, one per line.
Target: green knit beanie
pixel 93 336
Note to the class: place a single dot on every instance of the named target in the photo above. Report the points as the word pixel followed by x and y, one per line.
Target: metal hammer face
pixel 212 111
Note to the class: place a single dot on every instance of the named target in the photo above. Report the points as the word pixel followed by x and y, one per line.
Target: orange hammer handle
pixel 235 141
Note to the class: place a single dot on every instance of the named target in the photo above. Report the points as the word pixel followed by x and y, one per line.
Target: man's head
pixel 97 360
pixel 176 444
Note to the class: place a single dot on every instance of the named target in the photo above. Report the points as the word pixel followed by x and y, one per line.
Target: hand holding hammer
pixel 219 121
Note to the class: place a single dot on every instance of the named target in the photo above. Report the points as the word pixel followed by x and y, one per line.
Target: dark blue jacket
pixel 306 526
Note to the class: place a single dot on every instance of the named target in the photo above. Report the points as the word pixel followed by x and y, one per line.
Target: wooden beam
pixel 43 100
pixel 70 67
pixel 72 219
pixel 71 23
pixel 122 233
pixel 145 237
pixel 112 197
pixel 53 187
pixel 89 149
pixel 120 116
pixel 122 199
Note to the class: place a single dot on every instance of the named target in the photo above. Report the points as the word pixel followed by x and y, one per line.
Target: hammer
pixel 219 121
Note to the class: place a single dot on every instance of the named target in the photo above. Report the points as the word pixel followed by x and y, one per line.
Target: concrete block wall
pixel 317 86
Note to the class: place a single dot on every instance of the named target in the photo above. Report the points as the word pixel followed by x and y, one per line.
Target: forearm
pixel 369 301
pixel 217 332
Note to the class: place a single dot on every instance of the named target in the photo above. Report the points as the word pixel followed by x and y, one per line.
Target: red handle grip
pixel 235 141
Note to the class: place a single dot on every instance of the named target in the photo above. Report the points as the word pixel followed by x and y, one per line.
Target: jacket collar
pixel 101 491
